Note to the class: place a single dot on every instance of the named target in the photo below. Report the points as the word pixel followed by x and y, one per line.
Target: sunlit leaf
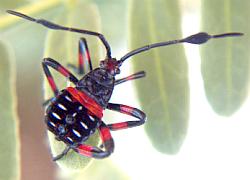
pixel 164 93
pixel 11 4
pixel 113 29
pixel 9 139
pixel 27 41
pixel 225 62
pixel 63 47
pixel 102 169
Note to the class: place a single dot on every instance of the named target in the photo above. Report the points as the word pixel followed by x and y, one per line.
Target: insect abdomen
pixel 69 120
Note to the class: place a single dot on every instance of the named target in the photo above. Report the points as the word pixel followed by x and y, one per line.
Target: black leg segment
pixel 137 75
pixel 129 111
pixel 84 60
pixel 96 152
pixel 65 151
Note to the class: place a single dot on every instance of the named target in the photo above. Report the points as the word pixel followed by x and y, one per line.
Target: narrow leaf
pixel 164 93
pixel 225 62
pixel 114 30
pixel 27 40
pixel 5 4
pixel 103 169
pixel 9 139
pixel 63 47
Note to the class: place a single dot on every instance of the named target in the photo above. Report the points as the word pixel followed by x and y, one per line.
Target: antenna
pixel 54 26
pixel 198 38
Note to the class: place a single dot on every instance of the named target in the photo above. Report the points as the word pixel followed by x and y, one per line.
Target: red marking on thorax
pixel 86 101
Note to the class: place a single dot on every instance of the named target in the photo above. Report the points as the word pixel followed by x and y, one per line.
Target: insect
pixel 76 112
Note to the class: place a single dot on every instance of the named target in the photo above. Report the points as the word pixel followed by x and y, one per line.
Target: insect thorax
pixel 98 84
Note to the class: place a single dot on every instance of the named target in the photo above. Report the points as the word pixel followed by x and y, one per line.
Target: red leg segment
pixel 129 111
pixel 58 67
pixel 84 60
pixel 84 56
pixel 95 152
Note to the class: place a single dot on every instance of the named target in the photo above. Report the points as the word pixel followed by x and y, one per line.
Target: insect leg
pixel 46 102
pixel 58 67
pixel 129 111
pixel 65 151
pixel 62 70
pixel 95 152
pixel 83 57
pixel 137 75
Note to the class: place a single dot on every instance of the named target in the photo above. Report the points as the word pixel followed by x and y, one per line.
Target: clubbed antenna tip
pixel 198 38
pixel 228 35
pixel 203 37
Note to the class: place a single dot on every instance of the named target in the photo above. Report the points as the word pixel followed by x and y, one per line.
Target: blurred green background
pixel 197 108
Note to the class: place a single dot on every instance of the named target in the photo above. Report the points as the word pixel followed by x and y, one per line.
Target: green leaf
pixel 100 169
pixel 104 168
pixel 114 30
pixel 63 47
pixel 225 62
pixel 7 4
pixel 9 141
pixel 164 93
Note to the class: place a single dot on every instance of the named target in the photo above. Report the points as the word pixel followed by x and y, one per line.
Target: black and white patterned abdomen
pixel 69 120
